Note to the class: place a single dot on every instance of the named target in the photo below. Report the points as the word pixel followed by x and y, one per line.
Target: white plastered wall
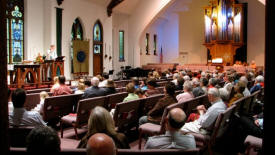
pixel 40 28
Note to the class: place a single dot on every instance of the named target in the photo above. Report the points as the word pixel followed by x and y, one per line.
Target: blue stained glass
pixel 15 31
pixel 97 49
pixel 17 40
pixel 97 33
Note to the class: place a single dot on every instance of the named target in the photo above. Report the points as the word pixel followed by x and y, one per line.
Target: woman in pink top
pixel 187 95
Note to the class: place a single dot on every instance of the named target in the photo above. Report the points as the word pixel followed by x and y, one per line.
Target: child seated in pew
pixel 39 107
pixel 140 93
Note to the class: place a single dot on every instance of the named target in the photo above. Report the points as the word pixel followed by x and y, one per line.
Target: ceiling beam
pixel 111 5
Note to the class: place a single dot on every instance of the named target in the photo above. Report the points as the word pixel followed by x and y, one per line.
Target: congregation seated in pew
pixel 130 88
pixel 155 114
pixel 20 116
pixel 151 84
pixel 152 142
pixel 100 121
pixel 109 88
pixel 39 107
pixel 43 140
pixel 259 83
pixel 187 94
pixel 207 117
pixel 100 143
pixel 172 139
pixel 62 89
pixel 94 90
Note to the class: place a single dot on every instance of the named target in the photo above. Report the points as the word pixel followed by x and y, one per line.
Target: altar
pixel 35 74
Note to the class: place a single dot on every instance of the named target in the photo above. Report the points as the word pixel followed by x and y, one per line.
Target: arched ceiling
pixel 101 2
pixel 126 7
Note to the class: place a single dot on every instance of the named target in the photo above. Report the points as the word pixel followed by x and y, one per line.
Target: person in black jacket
pixel 110 87
pixel 94 90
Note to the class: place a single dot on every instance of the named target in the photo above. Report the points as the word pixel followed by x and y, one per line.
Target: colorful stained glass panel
pixel 17 40
pixel 97 49
pixel 121 45
pixel 97 33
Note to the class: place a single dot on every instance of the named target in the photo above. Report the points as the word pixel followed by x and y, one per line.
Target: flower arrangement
pixel 39 59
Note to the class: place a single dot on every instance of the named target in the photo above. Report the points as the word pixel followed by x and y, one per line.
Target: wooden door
pixel 98 61
pixel 98 48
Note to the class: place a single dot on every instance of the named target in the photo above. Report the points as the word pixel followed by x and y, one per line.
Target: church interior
pixel 120 44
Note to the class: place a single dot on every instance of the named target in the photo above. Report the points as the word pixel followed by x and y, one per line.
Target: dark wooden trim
pixel 269 83
pixel 111 5
pixel 59 2
pixel 4 145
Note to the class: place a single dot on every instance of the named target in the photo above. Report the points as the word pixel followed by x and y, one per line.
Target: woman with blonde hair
pixel 100 121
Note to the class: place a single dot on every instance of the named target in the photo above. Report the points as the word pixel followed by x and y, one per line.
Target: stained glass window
pixel 147 43
pixel 97 32
pixel 76 34
pixel 15 31
pixel 97 38
pixel 121 45
pixel 77 31
pixel 155 44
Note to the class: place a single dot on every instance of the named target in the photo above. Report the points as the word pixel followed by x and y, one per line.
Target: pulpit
pixel 52 68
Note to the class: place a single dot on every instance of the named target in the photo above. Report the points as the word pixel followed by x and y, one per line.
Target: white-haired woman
pixel 187 95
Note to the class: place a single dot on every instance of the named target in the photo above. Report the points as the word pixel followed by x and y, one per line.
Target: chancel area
pixel 135 76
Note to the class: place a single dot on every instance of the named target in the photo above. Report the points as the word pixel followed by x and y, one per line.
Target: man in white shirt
pixel 172 139
pixel 207 117
pixel 20 116
pixel 51 53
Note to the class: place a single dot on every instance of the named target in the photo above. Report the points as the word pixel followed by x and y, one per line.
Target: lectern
pixel 52 68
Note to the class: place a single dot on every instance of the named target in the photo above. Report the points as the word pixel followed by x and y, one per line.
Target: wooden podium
pixel 36 74
pixel 50 69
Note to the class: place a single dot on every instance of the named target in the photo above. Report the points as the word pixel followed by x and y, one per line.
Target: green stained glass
pixel 16 12
pixel 121 45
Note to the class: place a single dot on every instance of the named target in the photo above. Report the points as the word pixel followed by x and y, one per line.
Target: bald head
pixel 99 144
pixel 176 118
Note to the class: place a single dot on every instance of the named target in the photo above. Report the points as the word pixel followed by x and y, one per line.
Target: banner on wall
pixel 81 56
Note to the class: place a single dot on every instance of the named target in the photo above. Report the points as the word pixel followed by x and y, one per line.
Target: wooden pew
pixel 82 115
pixel 32 100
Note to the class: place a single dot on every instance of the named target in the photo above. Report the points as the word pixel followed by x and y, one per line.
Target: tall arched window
pixel 15 31
pixel 97 48
pixel 76 34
